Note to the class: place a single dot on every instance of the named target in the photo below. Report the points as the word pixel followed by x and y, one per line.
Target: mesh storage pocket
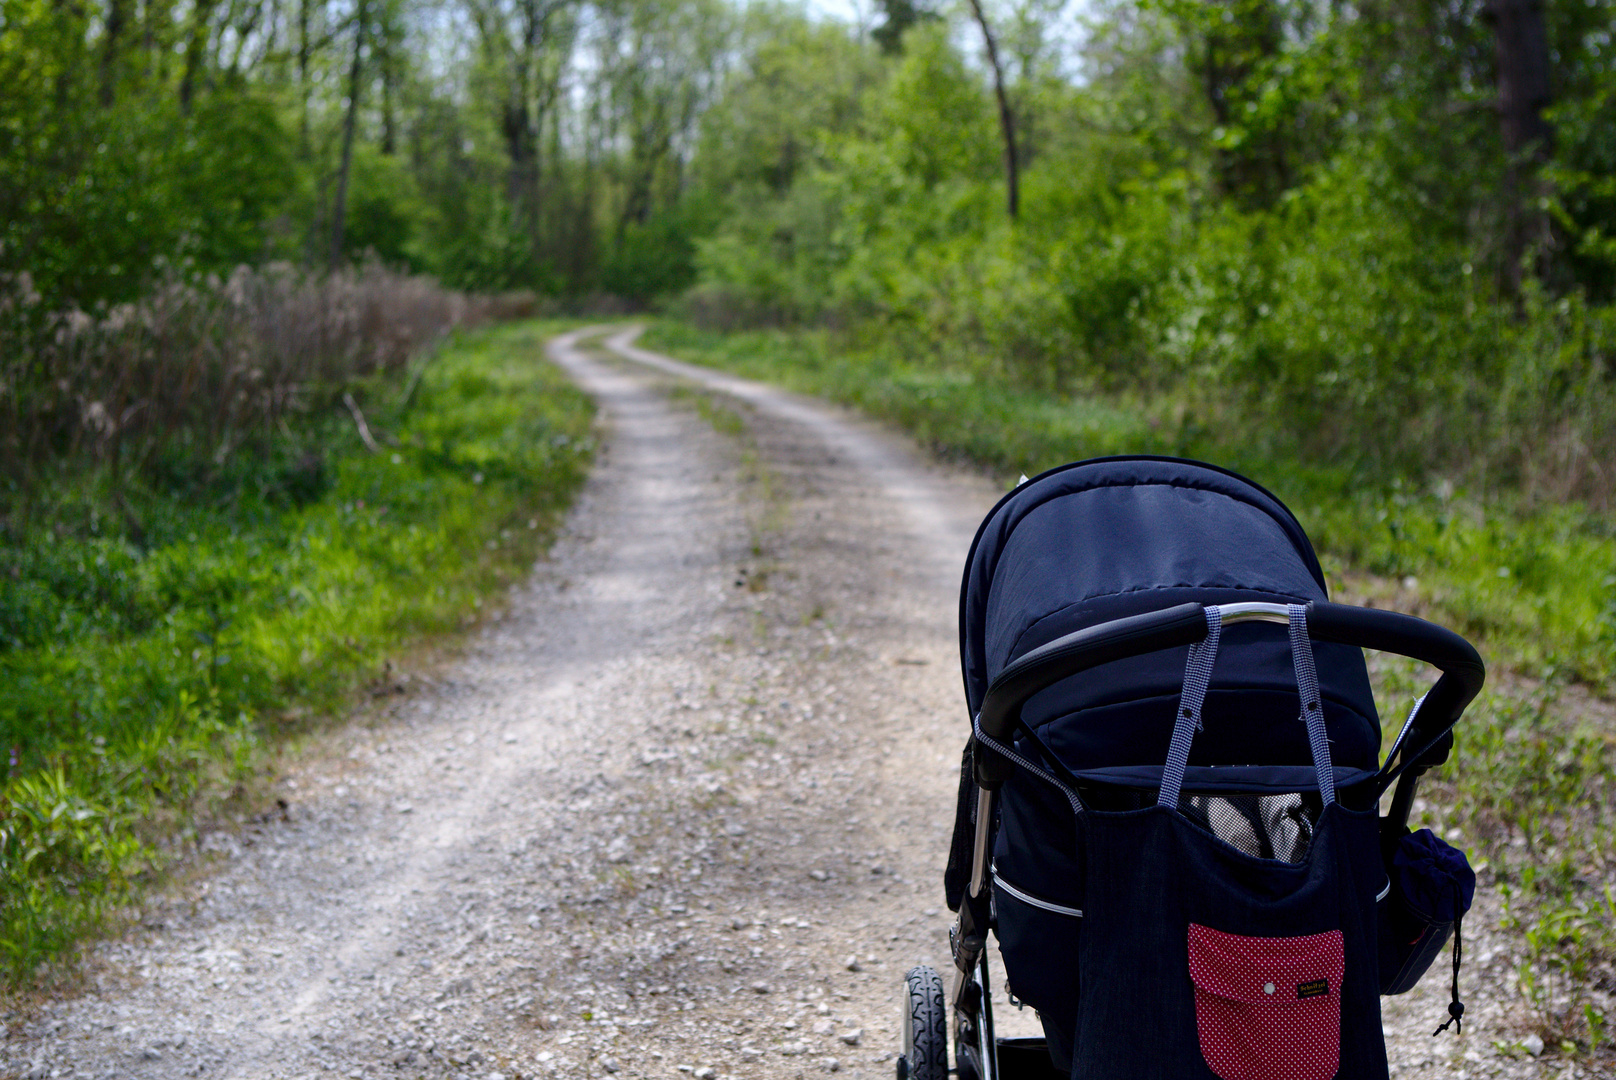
pixel 1268 1008
pixel 1263 826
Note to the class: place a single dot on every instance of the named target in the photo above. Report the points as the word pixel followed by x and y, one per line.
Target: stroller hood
pixel 1099 540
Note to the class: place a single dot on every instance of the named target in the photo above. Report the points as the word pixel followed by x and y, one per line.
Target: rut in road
pixel 683 809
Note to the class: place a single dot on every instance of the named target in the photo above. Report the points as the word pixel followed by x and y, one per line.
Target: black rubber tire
pixel 925 1026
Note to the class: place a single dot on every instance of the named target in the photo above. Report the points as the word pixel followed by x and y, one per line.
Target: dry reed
pixel 218 361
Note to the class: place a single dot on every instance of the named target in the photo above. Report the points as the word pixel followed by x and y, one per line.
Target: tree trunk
pixel 390 56
pixel 1007 120
pixel 201 12
pixel 1521 47
pixel 304 49
pixel 519 124
pixel 339 207
pixel 389 120
pixel 117 16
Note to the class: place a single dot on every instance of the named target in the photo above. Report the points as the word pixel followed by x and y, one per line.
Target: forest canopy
pixel 1391 224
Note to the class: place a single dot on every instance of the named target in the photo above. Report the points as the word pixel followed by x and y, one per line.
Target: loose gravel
pixel 680 811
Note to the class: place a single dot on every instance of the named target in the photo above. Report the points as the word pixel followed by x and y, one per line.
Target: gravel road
pixel 680 810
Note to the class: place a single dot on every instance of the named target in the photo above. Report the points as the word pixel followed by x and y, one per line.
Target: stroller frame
pixel 1423 743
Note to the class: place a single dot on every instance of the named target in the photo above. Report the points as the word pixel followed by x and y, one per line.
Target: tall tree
pixel 339 207
pixel 1007 119
pixel 195 50
pixel 305 57
pixel 111 44
pixel 897 17
pixel 526 45
pixel 1231 46
pixel 1522 50
pixel 662 65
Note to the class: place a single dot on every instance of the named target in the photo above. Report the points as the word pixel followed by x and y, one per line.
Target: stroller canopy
pixel 1099 540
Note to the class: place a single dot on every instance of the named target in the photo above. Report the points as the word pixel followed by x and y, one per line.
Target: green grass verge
pixel 139 683
pixel 1529 789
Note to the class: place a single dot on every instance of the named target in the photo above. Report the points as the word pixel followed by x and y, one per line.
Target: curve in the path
pixel 933 515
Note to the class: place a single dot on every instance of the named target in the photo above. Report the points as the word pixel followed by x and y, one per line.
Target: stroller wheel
pixel 925 1027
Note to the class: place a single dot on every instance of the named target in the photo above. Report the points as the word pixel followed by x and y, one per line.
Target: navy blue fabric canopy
pixel 1099 540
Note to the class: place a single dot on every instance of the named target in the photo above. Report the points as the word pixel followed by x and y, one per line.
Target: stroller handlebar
pixel 1392 631
pixel 1081 650
pixel 1185 624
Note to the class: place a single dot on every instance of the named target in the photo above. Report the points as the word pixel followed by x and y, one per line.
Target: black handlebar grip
pixel 1391 631
pixel 1081 650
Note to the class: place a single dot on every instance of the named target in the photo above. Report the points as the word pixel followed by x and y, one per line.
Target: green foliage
pixel 898 18
pixel 934 118
pixel 135 189
pixel 135 679
pixel 798 82
pixel 56 843
pixel 1584 184
pixel 384 213
pixel 1250 203
pixel 137 144
pixel 654 259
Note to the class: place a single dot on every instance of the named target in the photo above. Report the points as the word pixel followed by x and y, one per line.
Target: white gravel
pixel 682 811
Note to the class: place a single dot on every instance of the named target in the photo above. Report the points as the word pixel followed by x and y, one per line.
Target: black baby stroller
pixel 1168 807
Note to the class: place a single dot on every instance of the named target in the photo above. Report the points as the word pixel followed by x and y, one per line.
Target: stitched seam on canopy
pixel 1219 692
pixel 1188 485
pixel 1184 485
pixel 1285 517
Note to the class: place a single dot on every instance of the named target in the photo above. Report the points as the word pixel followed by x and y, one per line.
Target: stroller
pixel 1169 806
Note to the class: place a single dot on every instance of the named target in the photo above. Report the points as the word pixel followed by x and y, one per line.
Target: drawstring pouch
pixel 1431 889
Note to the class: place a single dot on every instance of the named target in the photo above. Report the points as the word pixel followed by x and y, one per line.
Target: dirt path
pixel 682 810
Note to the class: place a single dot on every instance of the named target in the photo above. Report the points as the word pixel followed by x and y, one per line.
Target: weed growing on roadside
pixel 1535 795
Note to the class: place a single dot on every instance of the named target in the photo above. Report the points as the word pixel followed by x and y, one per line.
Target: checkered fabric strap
pixel 1197 678
pixel 1037 770
pixel 1307 685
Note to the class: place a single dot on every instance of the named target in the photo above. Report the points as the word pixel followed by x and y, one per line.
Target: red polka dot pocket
pixel 1268 1008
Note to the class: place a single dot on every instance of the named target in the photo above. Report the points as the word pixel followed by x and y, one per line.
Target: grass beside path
pixel 1532 789
pixel 139 685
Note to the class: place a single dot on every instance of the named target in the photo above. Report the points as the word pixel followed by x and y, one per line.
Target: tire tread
pixel 927 1025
